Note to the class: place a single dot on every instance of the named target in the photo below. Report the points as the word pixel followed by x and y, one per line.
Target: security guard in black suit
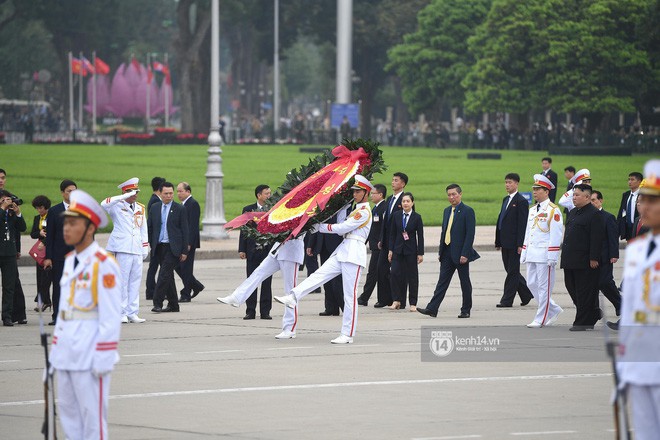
pixel 156 182
pixel 609 254
pixel 377 215
pixel 324 245
pixel 11 224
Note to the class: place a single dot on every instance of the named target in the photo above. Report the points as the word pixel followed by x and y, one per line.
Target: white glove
pixel 98 373
pixel 130 194
pixel 552 263
pixel 315 228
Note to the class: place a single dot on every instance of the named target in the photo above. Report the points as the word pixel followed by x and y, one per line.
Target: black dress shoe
pixel 500 305
pixel 184 299
pixel 362 302
pixel 7 323
pixel 51 323
pixel 613 325
pixel 249 316
pixel 196 292
pixel 379 305
pixel 581 328
pixel 169 309
pixel 326 313
pixel 157 310
pixel 21 321
pixel 427 312
pixel 524 303
pixel 266 317
pixel 464 315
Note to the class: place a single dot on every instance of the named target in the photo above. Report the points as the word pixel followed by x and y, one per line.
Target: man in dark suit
pixel 12 224
pixel 324 245
pixel 392 204
pixel 628 212
pixel 546 164
pixel 580 256
pixel 156 182
pixel 255 254
pixel 569 172
pixel 377 197
pixel 455 253
pixel 168 237
pixel 609 254
pixel 56 248
pixel 509 238
pixel 185 269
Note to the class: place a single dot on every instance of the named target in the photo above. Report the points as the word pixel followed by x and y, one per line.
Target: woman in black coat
pixel 41 204
pixel 406 252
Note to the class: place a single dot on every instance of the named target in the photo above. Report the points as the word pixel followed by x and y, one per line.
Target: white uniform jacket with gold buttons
pixel 355 230
pixel 129 233
pixel 543 234
pixel 639 328
pixel 89 320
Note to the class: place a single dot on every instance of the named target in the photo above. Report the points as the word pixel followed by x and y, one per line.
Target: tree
pixel 433 60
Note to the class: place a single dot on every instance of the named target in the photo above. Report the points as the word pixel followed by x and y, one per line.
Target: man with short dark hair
pixel 56 248
pixel 249 250
pixel 455 252
pixel 628 212
pixel 185 269
pixel 377 197
pixel 609 254
pixel 580 256
pixel 546 164
pixel 11 224
pixel 569 172
pixel 509 238
pixel 156 182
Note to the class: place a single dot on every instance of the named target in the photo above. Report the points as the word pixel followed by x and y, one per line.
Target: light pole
pixel 276 73
pixel 214 211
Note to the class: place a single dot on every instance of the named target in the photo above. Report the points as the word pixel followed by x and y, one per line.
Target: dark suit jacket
pixel 34 233
pixel 193 211
pixel 245 244
pixel 514 222
pixel 583 237
pixel 622 220
pixel 415 229
pixel 177 228
pixel 56 249
pixel 387 219
pixel 610 248
pixel 15 225
pixel 552 176
pixel 462 234
pixel 153 199
pixel 376 226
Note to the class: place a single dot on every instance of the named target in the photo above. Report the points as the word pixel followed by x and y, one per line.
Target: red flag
pixel 88 65
pixel 150 75
pixel 101 67
pixel 166 72
pixel 158 67
pixel 77 67
pixel 135 64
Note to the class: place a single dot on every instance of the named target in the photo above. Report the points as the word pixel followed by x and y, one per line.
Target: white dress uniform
pixel 567 199
pixel 286 258
pixel 540 251
pixel 129 242
pixel 85 339
pixel 349 259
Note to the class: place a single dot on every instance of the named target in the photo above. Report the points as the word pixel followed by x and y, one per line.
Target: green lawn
pixel 38 169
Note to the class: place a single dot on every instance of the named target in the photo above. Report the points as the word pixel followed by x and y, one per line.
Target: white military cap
pixel 130 185
pixel 362 182
pixel 581 175
pixel 651 178
pixel 540 181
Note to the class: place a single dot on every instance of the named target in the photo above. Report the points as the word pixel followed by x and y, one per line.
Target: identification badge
pixel 376 218
pixel 405 235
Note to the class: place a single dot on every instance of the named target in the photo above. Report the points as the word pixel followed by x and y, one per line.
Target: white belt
pixel 355 237
pixel 78 315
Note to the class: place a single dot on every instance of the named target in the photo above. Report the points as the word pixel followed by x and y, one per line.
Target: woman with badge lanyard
pixel 406 244
pixel 41 204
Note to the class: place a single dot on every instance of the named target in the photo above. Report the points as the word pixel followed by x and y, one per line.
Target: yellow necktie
pixel 449 223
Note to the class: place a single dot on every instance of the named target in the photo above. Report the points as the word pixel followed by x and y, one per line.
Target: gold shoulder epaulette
pixel 552 205
pixel 101 256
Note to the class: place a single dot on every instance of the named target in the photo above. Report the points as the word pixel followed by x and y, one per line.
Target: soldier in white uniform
pixel 285 257
pixel 541 251
pixel 130 244
pixel 581 177
pixel 349 259
pixel 638 362
pixel 86 335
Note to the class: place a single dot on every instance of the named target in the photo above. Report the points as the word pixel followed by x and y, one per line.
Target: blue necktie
pixel 504 203
pixel 389 205
pixel 405 221
pixel 163 238
pixel 630 213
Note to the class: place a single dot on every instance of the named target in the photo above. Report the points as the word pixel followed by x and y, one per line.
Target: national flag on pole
pixel 158 67
pixel 89 67
pixel 150 75
pixel 166 72
pixel 77 67
pixel 101 67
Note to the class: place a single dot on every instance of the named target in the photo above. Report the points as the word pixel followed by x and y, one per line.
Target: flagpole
pixel 167 97
pixel 71 91
pixel 94 94
pixel 80 93
pixel 148 110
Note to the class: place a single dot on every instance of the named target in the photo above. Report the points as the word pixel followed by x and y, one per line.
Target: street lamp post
pixel 214 211
pixel 276 73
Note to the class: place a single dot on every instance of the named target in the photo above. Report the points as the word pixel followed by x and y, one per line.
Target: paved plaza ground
pixel 207 373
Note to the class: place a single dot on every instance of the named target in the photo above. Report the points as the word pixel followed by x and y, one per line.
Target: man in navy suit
pixel 185 269
pixel 509 238
pixel 168 237
pixel 156 182
pixel 628 212
pixel 377 214
pixel 56 249
pixel 455 253
pixel 609 254
pixel 546 164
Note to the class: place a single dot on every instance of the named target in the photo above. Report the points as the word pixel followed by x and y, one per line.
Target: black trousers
pixel 43 285
pixel 185 271
pixel 514 281
pixel 333 289
pixel 266 298
pixel 582 286
pixel 404 276
pixel 372 276
pixel 447 269
pixel 607 285
pixel 151 275
pixel 56 274
pixel 165 284
pixel 9 270
pixel 384 287
pixel 18 309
